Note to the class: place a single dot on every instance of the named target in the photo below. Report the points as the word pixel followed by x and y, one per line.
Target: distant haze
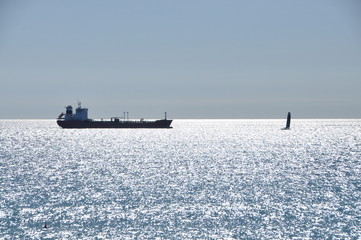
pixel 192 59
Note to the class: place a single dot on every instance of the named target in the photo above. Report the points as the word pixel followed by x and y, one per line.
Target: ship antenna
pixel 165 115
pixel 79 103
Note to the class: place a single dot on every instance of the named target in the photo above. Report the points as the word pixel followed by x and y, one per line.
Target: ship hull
pixel 112 124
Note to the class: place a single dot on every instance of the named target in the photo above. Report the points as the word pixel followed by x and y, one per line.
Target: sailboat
pixel 288 124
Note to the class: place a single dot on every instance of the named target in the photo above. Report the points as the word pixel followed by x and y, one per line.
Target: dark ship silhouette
pixel 80 120
pixel 288 123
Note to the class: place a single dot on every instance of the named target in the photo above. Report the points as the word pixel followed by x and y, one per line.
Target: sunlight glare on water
pixel 205 179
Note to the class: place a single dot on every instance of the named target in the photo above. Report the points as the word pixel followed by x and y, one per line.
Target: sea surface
pixel 203 179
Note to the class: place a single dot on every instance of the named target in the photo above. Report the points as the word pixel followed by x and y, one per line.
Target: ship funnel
pixel 69 110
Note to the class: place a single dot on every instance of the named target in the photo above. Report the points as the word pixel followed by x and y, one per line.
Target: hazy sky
pixel 191 58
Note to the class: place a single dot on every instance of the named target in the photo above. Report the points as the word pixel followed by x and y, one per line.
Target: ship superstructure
pixel 81 114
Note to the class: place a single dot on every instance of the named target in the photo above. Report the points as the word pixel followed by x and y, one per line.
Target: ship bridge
pixel 81 114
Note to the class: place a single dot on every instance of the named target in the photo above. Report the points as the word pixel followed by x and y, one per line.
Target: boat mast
pixel 288 124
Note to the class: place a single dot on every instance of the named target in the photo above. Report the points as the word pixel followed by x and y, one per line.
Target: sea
pixel 202 179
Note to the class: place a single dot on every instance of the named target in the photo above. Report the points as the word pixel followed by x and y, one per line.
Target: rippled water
pixel 203 179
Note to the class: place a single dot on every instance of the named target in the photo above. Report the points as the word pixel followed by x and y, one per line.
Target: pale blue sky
pixel 191 58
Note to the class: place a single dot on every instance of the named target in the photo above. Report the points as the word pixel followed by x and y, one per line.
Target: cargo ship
pixel 80 120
